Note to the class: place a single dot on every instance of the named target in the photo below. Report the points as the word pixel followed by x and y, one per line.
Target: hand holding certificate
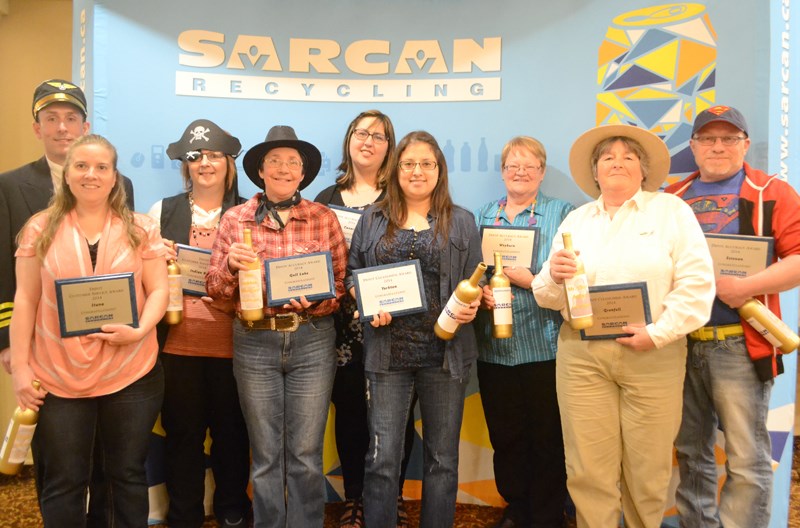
pixel 309 275
pixel 739 255
pixel 394 288
pixel 615 306
pixel 85 304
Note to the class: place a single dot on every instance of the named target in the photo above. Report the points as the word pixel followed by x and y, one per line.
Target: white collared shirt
pixel 653 237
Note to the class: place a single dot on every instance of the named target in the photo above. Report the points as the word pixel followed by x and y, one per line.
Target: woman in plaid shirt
pixel 284 364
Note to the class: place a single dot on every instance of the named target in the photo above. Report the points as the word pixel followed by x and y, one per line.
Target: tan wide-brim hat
pixel 580 156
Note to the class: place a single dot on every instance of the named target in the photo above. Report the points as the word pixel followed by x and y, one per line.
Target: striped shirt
pixel 535 329
pixel 311 227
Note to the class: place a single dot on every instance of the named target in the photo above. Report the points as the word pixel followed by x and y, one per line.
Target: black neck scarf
pixel 266 206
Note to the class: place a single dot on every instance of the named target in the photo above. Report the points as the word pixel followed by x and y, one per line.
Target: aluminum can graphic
pixel 657 70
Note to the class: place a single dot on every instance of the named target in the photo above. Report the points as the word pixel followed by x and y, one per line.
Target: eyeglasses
pixel 197 155
pixel 377 137
pixel 293 164
pixel 409 165
pixel 728 141
pixel 528 169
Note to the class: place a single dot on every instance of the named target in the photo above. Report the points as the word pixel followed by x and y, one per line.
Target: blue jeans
pixel 722 388
pixel 64 442
pixel 284 381
pixel 441 401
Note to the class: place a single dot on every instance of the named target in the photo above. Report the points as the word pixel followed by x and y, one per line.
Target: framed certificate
pixel 394 288
pixel 348 218
pixel 739 255
pixel 87 303
pixel 615 306
pixel 194 265
pixel 517 244
pixel 309 274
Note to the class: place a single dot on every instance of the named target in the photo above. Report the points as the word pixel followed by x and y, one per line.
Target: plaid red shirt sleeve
pixel 311 228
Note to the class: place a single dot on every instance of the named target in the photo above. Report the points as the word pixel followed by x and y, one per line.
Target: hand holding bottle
pixel 240 257
pixel 563 265
pixel 730 291
pixel 28 397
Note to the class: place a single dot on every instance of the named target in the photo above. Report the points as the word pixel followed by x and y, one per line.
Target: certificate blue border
pixel 184 247
pixel 59 283
pixel 768 239
pixel 395 313
pixel 648 318
pixel 331 294
pixel 537 230
pixel 346 209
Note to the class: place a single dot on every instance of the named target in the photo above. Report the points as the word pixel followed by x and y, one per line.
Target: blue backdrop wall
pixel 471 72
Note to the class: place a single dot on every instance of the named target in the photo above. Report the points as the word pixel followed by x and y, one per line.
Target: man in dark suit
pixel 59 118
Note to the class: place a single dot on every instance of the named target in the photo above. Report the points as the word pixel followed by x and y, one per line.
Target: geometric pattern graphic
pixel 656 69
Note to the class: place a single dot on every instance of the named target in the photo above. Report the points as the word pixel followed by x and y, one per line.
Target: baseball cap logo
pixel 718 110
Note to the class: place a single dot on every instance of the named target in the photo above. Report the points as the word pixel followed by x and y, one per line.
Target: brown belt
pixel 288 322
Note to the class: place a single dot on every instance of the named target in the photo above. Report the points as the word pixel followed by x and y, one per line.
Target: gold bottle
pixel 251 297
pixel 579 306
pixel 466 292
pixel 769 325
pixel 502 318
pixel 174 313
pixel 18 438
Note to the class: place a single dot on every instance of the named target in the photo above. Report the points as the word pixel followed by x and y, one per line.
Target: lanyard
pixel 502 205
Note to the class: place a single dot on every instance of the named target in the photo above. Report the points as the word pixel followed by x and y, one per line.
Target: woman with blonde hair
pixel 107 383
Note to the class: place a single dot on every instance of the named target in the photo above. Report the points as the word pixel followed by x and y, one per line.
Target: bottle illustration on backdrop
pixel 483 156
pixel 449 155
pixel 466 162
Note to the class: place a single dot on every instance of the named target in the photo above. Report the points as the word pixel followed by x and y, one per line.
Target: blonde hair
pixel 534 146
pixel 63 201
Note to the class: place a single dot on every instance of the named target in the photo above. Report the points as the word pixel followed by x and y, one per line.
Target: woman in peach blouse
pixel 107 384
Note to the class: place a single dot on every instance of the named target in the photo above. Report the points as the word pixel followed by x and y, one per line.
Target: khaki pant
pixel 620 411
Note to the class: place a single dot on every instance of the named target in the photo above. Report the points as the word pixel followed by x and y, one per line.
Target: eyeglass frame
pixel 377 137
pixel 277 163
pixel 710 141
pixel 211 155
pixel 528 169
pixel 414 166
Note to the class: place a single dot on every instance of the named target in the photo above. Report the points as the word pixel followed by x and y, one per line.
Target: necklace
pixel 502 205
pixel 204 232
